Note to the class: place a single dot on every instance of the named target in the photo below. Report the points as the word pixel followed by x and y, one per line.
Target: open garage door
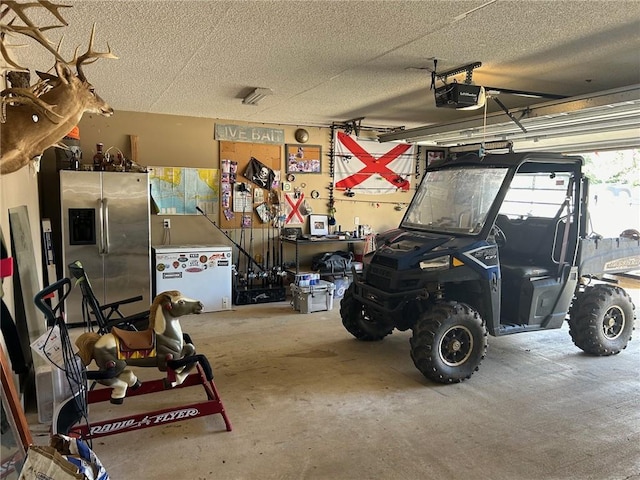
pixel 605 120
pixel 614 190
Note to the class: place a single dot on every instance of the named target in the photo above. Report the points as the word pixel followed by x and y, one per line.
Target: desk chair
pixel 108 315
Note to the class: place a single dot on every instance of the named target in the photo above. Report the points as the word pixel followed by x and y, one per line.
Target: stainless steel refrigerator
pixel 106 225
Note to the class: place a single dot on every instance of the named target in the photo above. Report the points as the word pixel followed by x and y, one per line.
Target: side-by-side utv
pixel 496 245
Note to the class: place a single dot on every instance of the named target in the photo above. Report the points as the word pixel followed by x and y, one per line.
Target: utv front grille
pixel 381 283
pixel 383 303
pixel 380 277
pixel 386 261
pixel 379 271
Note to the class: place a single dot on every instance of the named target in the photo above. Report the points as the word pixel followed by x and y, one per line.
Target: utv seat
pixel 532 247
pixel 530 267
pixel 525 271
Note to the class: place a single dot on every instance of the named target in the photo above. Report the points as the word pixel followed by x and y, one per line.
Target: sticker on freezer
pixel 170 275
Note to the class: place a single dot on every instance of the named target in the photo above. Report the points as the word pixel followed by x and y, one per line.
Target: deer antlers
pixel 28 29
pixel 31 95
pixel 91 55
pixel 61 99
pixel 36 33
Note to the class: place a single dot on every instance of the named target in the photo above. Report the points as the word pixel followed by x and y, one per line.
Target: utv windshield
pixel 454 200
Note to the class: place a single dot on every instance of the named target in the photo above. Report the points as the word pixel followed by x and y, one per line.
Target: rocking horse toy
pixel 161 343
pixel 163 346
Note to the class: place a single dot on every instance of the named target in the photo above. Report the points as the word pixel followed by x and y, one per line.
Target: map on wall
pixel 178 190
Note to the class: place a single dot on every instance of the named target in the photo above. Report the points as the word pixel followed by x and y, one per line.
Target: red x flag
pixel 373 168
pixel 292 208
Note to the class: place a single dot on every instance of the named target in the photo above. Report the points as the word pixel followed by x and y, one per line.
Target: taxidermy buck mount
pixel 36 117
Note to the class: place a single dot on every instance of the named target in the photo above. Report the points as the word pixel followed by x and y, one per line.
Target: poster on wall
pixel 179 190
pixel 433 155
pixel 229 171
pixel 371 168
pixel 242 198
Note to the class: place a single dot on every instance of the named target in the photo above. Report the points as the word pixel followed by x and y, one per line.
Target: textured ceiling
pixel 332 61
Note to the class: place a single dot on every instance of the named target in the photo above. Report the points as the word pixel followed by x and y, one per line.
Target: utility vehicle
pixel 497 245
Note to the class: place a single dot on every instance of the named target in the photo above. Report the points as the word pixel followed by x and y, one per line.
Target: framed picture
pixel 319 224
pixel 433 155
pixel 303 158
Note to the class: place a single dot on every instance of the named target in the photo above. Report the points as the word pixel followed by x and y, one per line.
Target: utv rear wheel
pixel 357 322
pixel 449 341
pixel 601 320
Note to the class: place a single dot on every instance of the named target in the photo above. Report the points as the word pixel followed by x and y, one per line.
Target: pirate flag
pixel 259 173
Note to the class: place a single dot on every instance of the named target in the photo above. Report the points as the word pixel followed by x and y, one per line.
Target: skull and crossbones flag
pixel 372 168
pixel 259 173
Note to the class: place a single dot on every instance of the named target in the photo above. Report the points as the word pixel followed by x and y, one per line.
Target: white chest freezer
pixel 201 272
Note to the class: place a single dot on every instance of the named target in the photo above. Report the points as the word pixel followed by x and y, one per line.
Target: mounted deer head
pixel 38 117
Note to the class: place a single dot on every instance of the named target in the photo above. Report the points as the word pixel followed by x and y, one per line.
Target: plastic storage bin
pixel 313 298
pixel 341 282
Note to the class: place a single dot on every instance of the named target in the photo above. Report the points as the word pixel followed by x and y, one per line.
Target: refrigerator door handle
pixel 101 224
pixel 105 202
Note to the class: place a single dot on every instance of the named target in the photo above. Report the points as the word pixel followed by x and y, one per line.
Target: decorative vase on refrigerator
pixel 106 226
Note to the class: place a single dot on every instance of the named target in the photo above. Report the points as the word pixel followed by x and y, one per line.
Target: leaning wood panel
pixel 13 407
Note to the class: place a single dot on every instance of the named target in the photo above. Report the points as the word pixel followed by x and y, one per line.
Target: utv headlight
pixel 439 263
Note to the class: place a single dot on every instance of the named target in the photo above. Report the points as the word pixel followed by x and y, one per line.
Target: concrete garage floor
pixel 308 401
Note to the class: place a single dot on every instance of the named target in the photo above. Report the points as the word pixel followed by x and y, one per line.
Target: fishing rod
pixel 243 189
pixel 262 256
pixel 240 249
pixel 280 244
pixel 250 273
pixel 268 246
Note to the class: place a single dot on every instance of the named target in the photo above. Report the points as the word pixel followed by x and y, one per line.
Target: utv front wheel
pixel 449 341
pixel 357 322
pixel 601 320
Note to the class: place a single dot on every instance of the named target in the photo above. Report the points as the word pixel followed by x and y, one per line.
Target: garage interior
pixel 306 399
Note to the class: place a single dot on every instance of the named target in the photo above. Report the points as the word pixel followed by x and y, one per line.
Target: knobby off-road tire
pixel 601 320
pixel 449 341
pixel 356 320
